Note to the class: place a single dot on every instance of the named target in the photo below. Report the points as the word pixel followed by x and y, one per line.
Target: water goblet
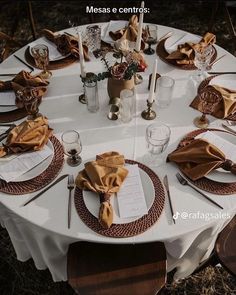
pixel 29 97
pixel 157 138
pixel 150 37
pixel 202 59
pixel 209 97
pixel 72 147
pixel 40 54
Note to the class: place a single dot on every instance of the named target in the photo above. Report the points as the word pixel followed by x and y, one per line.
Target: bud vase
pixel 114 87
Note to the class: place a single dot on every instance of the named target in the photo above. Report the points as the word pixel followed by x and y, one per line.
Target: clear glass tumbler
pixel 157 138
pixel 91 96
pixel 127 100
pixel 165 86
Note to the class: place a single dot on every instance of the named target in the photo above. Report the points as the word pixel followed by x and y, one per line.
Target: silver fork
pixel 183 181
pixel 70 186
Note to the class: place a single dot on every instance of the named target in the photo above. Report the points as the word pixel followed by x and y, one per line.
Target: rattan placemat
pixel 203 84
pixel 53 65
pixel 34 184
pixel 11 116
pixel 128 229
pixel 204 183
pixel 162 53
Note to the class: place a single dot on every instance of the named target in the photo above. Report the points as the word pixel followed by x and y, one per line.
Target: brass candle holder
pixel 149 114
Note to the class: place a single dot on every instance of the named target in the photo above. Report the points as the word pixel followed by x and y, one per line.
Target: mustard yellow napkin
pixel 185 52
pixel 199 157
pixel 66 44
pixel 128 33
pixel 105 177
pixel 10 43
pixel 226 105
pixel 30 135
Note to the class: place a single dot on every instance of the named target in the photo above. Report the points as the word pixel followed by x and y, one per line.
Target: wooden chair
pixel 224 251
pixel 102 269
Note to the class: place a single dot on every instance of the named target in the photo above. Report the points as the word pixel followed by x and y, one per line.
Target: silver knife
pixel 47 188
pixel 229 129
pixel 166 184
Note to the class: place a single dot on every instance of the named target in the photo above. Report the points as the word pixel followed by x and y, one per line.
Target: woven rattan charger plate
pixel 204 183
pixel 162 53
pixel 206 82
pixel 127 229
pixel 53 65
pixel 38 182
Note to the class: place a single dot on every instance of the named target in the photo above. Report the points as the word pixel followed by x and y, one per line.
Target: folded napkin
pixel 198 158
pixel 30 135
pixel 23 78
pixel 226 105
pixel 65 44
pixel 185 52
pixel 105 177
pixel 129 33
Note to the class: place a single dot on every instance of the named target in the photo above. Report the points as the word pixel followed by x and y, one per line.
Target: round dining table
pixel 39 230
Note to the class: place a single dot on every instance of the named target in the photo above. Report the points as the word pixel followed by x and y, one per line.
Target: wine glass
pixel 157 138
pixel 150 37
pixel 30 99
pixel 40 54
pixel 202 59
pixel 209 97
pixel 72 147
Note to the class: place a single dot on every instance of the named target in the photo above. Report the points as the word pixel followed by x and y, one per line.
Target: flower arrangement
pixel 130 63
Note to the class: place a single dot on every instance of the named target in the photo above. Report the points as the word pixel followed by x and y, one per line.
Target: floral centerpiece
pixel 121 74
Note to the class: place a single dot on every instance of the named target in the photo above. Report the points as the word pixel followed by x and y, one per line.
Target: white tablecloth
pixel 40 231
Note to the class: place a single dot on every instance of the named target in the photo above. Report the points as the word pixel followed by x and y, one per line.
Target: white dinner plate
pixel 171 44
pixel 221 175
pixel 226 80
pixel 9 108
pixel 37 170
pixel 92 201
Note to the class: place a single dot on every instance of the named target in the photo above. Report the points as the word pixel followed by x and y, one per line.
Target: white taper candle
pixel 140 30
pixel 153 81
pixel 81 55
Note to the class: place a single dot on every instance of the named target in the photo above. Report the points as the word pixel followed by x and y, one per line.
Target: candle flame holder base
pixel 149 114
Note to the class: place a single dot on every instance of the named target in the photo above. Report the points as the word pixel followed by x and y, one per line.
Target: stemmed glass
pixel 150 37
pixel 209 97
pixel 157 138
pixel 40 54
pixel 202 59
pixel 29 97
pixel 72 147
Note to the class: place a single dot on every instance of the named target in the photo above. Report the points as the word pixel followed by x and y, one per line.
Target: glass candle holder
pixel 91 96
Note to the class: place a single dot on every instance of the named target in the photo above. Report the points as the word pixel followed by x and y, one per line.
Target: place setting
pixel 30 156
pixel 206 158
pixel 187 51
pixel 12 106
pixel 120 204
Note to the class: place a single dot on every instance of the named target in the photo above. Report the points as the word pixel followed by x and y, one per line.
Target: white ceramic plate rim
pixel 92 202
pixel 225 80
